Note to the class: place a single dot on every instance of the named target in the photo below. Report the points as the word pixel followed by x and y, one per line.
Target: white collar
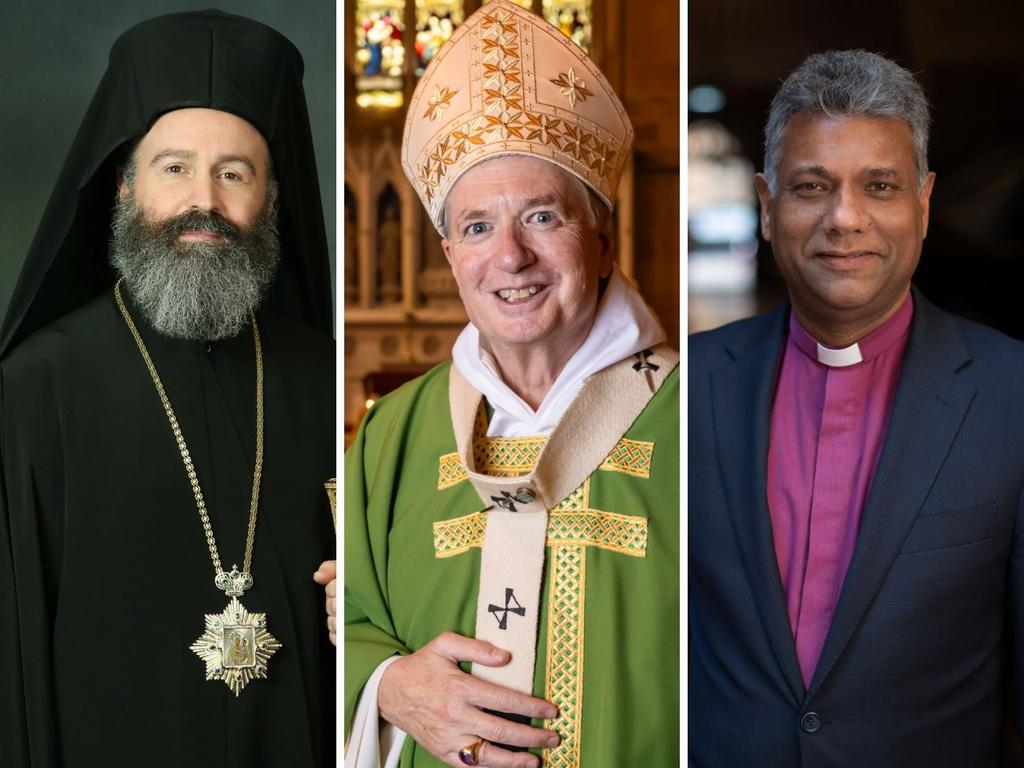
pixel 840 358
pixel 623 326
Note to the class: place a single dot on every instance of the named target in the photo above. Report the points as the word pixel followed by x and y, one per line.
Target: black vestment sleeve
pixel 28 718
pixel 13 735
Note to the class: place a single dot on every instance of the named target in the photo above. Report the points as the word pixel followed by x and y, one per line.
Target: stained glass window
pixel 572 17
pixel 436 20
pixel 528 4
pixel 379 53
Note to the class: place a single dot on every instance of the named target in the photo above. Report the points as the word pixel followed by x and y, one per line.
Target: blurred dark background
pixel 969 57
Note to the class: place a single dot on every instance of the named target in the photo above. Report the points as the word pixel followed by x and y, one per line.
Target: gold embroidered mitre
pixel 507 82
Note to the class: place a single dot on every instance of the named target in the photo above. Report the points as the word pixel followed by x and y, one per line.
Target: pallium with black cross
pixel 573 527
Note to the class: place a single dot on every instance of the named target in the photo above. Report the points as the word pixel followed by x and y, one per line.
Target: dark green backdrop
pixel 52 55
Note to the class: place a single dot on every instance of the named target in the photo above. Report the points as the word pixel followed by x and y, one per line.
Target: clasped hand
pixel 429 697
pixel 441 707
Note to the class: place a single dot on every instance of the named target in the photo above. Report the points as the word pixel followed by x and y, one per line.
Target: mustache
pixel 194 290
pixel 194 221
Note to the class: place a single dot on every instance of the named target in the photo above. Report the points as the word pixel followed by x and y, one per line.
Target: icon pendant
pixel 236 646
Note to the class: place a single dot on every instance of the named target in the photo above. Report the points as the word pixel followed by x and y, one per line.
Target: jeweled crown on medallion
pixel 234 583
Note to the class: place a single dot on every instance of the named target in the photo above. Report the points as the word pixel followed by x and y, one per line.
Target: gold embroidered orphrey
pixel 573 526
pixel 235 646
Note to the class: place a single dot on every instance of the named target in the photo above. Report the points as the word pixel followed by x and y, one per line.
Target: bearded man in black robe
pixel 167 422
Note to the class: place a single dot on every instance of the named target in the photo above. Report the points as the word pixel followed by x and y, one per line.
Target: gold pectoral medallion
pixel 236 646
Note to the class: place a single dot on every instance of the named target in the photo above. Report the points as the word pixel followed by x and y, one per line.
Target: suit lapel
pixel 931 403
pixel 741 409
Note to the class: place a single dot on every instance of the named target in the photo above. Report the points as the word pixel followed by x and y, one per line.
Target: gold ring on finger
pixel 468 754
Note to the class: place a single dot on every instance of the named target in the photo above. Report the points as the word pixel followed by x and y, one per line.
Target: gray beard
pixel 202 291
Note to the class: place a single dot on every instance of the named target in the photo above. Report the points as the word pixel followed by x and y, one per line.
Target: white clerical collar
pixel 623 326
pixel 840 358
pixel 866 348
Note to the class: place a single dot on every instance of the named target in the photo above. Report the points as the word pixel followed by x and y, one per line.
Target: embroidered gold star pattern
pixel 505 68
pixel 461 141
pixel 506 126
pixel 602 158
pixel 543 129
pixel 441 157
pixel 572 87
pixel 490 90
pixel 576 143
pixel 502 21
pixel 439 102
pixel 503 49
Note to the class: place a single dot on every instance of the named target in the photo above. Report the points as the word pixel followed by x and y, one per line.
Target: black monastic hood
pixel 194 59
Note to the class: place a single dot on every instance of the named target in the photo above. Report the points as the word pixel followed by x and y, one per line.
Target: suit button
pixel 810 722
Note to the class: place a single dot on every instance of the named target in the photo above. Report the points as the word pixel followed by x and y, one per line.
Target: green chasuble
pixel 608 644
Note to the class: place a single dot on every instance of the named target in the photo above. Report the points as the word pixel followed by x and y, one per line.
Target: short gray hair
pixel 848 84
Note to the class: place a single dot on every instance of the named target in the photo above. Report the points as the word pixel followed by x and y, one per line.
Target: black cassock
pixel 105 574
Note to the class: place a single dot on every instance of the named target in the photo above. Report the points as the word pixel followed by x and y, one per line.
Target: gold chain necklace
pixel 236 645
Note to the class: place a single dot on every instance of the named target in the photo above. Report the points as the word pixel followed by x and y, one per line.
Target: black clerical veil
pixel 195 59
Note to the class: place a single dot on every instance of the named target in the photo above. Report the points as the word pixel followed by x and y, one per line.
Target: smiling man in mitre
pixel 511 517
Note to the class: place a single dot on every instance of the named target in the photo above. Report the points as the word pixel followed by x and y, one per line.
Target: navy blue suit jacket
pixel 930 621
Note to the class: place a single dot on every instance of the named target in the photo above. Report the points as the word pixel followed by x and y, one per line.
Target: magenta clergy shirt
pixel 827 429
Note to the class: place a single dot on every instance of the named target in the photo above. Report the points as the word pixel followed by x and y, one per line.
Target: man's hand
pixel 440 706
pixel 327 574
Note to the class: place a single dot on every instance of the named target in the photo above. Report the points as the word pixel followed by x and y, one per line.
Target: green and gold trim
pixel 564 668
pixel 579 526
pixel 514 456
pixel 449 471
pixel 573 527
pixel 632 457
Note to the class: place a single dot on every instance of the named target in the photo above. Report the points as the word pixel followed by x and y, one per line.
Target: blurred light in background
pixel 722 221
pixel 706 99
